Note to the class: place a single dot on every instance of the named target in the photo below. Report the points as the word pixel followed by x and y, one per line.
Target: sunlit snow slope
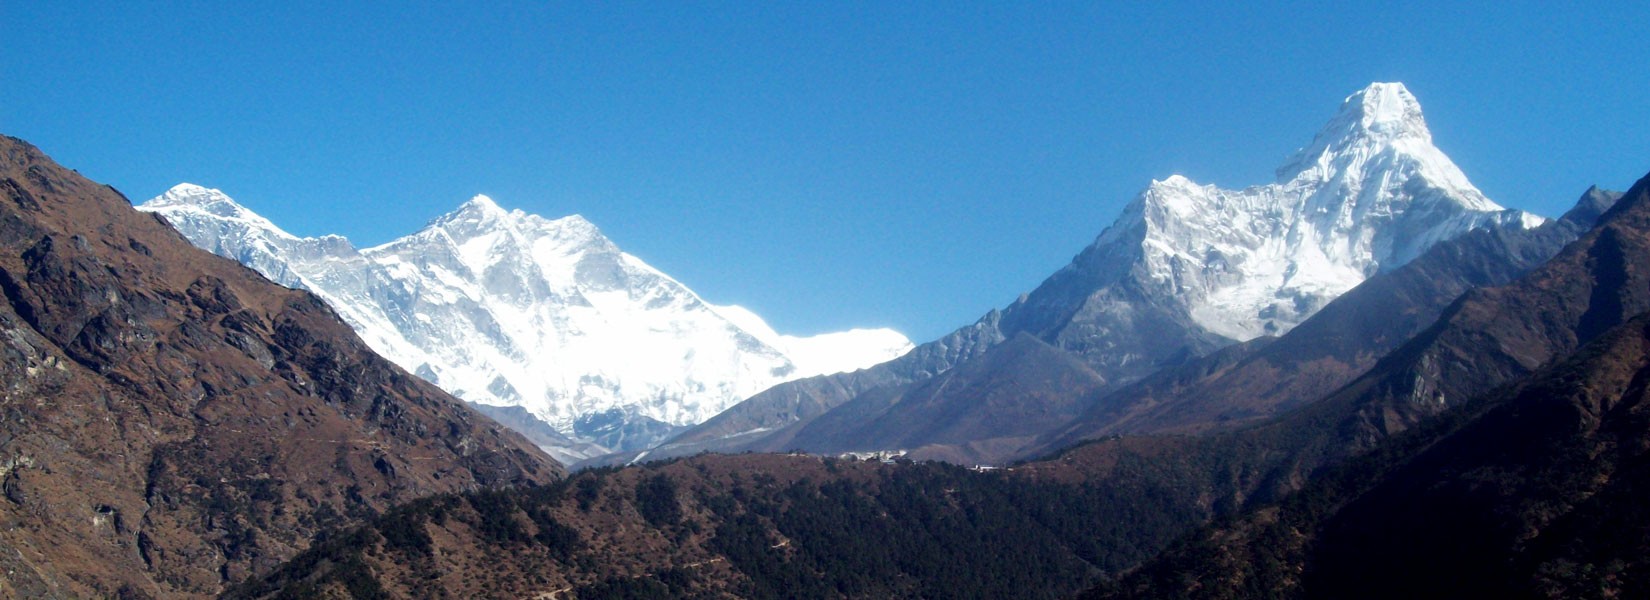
pixel 507 308
pixel 1370 192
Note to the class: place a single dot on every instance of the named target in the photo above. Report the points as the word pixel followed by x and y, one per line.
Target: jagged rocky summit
pixel 505 308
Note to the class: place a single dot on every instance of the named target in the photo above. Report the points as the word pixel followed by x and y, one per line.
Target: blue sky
pixel 829 165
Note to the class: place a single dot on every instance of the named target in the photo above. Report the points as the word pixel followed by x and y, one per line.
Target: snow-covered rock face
pixel 1368 194
pixel 511 309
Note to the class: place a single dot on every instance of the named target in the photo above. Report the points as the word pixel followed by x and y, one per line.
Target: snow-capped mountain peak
pixel 1378 115
pixel 481 217
pixel 1379 130
pixel 1370 193
pixel 189 196
pixel 213 221
pixel 1383 109
pixel 478 216
pixel 507 308
pixel 1186 269
pixel 481 203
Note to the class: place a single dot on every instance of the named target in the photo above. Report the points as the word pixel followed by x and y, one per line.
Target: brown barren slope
pixel 171 422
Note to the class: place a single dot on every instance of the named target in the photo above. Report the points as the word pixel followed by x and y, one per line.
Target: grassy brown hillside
pixel 1534 491
pixel 171 422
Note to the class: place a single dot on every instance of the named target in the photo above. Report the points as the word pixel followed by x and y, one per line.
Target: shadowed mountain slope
pixel 974 413
pixel 1533 491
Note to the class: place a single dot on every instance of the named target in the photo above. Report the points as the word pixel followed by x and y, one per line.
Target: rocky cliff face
pixel 510 309
pixel 171 422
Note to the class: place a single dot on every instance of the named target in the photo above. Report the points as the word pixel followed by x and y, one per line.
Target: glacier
pixel 505 308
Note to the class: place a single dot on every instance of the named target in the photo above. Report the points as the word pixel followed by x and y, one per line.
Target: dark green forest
pixel 842 529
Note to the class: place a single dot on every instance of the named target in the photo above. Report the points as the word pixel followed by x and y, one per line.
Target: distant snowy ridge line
pixel 506 308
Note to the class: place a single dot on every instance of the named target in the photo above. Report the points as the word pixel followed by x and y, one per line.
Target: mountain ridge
pixel 1338 343
pixel 511 309
pixel 1188 269
pixel 767 525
